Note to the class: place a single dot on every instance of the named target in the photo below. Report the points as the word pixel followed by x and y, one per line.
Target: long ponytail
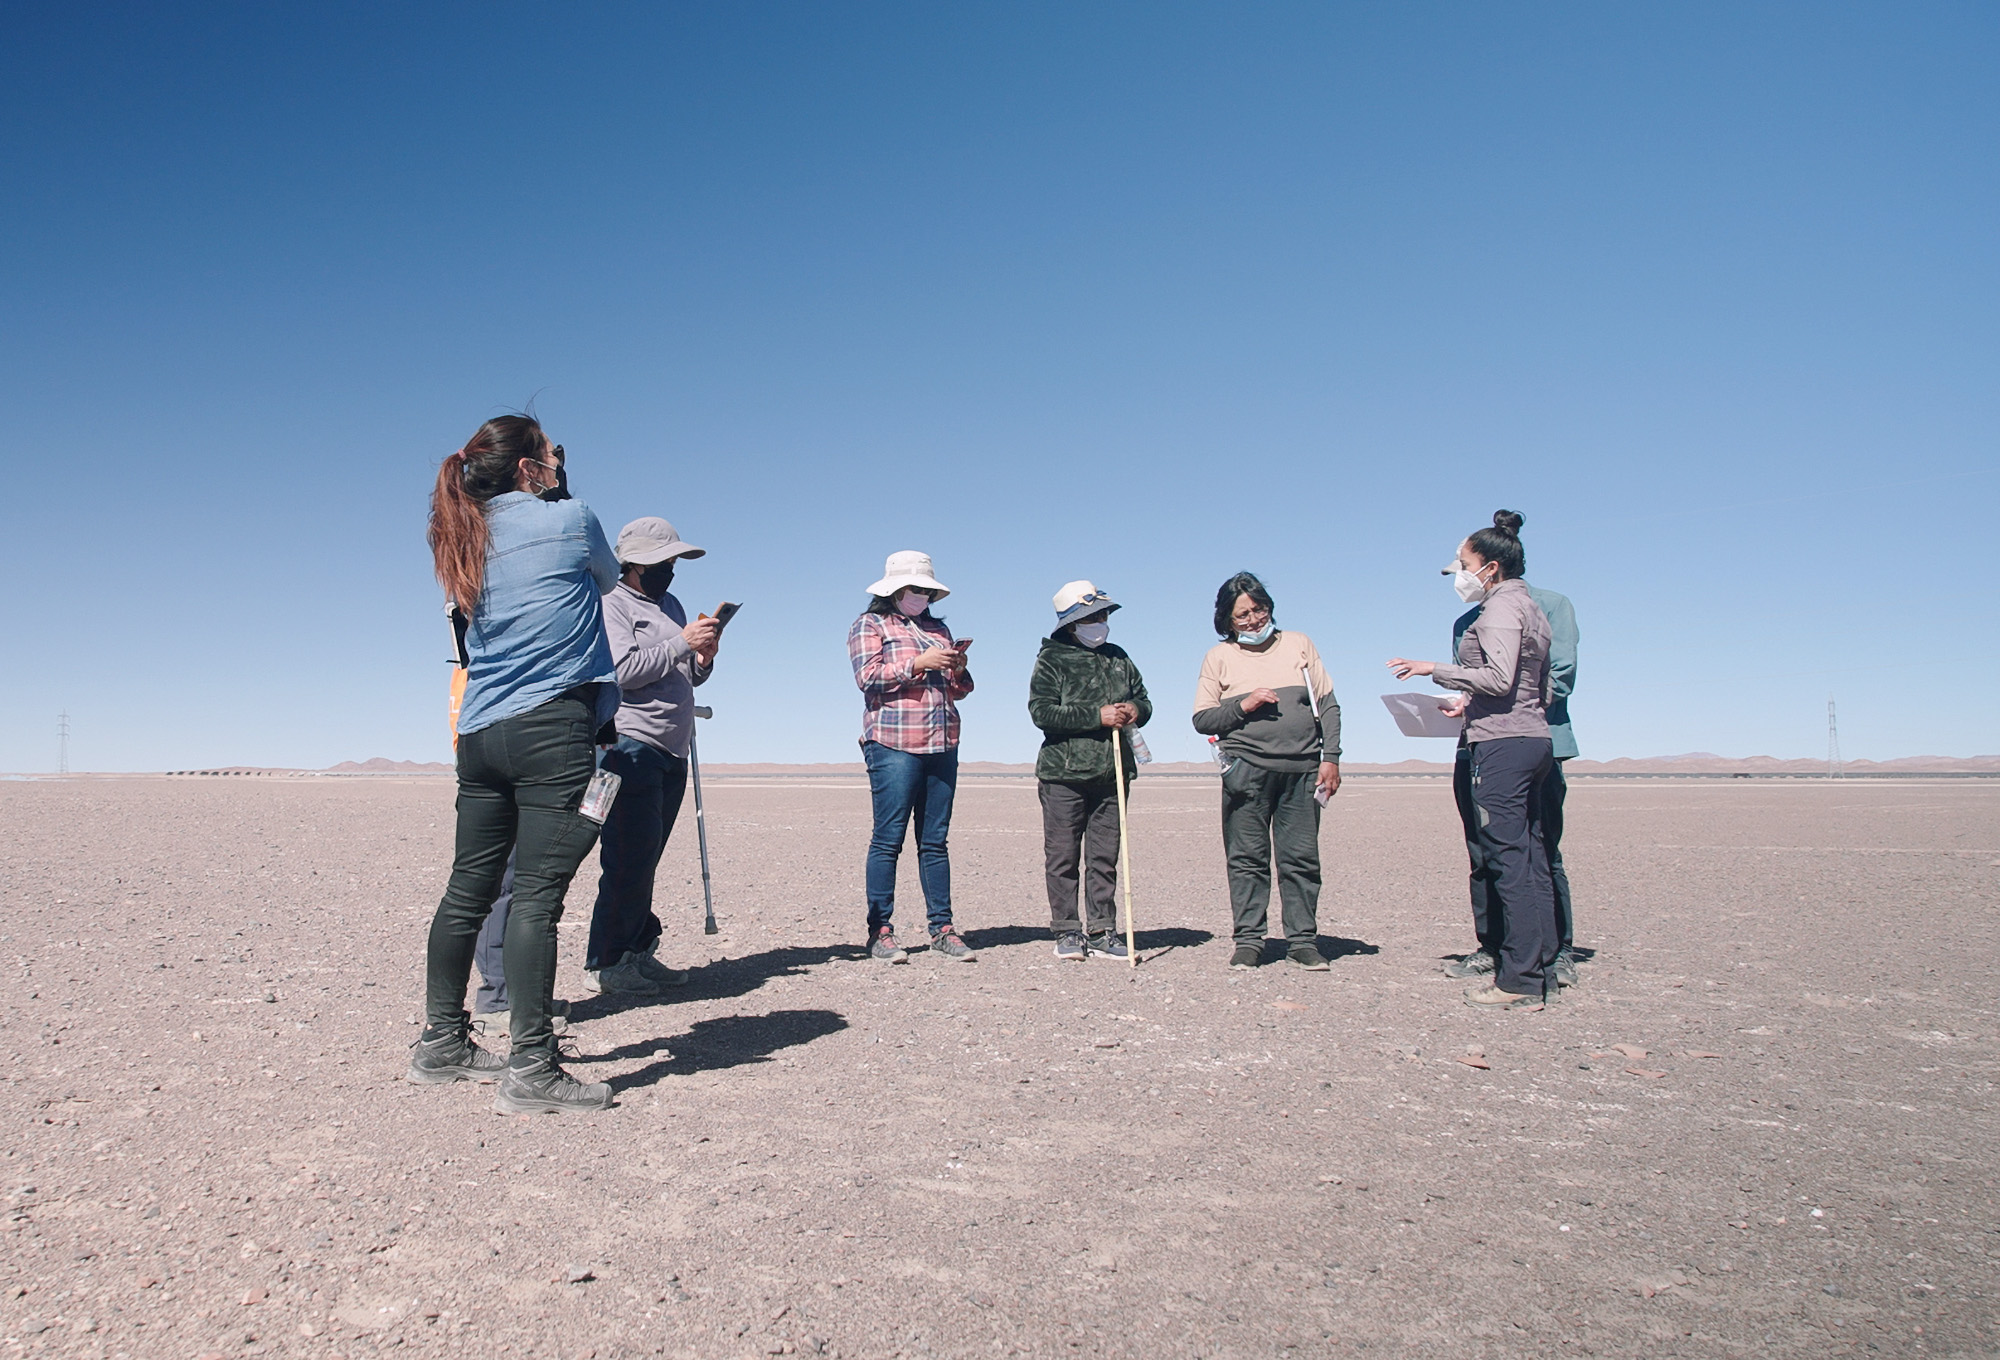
pixel 487 466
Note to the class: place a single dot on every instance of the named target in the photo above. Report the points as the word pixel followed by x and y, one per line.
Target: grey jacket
pixel 1503 663
pixel 1562 662
pixel 657 669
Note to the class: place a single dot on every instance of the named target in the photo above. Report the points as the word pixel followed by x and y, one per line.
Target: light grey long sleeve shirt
pixel 1503 663
pixel 1562 662
pixel 657 669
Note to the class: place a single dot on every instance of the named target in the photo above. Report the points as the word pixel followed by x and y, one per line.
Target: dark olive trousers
pixel 1269 816
pixel 1080 850
pixel 519 783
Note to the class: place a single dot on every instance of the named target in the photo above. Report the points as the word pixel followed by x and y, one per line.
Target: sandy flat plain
pixel 211 984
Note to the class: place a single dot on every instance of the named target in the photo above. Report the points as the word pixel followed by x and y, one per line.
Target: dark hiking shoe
pixel 1478 963
pixel 947 943
pixel 1565 969
pixel 1307 957
pixel 1071 946
pixel 1489 997
pixel 541 1087
pixel 1110 944
pixel 440 1058
pixel 1246 956
pixel 884 948
pixel 648 962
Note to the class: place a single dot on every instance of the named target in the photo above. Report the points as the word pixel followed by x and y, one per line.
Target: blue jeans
pixel 642 817
pixel 904 784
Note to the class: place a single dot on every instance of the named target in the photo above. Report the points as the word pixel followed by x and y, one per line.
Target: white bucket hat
pixel 1081 600
pixel 906 569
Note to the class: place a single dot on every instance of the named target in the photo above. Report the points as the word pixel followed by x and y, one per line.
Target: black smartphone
pixel 724 612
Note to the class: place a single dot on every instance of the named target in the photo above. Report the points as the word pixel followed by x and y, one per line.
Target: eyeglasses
pixel 1251 617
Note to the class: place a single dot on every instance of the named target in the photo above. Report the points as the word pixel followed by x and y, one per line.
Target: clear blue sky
pixel 1143 293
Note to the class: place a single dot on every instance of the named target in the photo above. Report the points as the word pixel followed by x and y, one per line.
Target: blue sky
pixel 1144 293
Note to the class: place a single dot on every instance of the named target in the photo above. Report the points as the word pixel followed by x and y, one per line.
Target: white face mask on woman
pixel 1093 634
pixel 1468 585
pixel 913 602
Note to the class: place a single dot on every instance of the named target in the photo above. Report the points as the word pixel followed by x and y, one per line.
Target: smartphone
pixel 724 612
pixel 961 644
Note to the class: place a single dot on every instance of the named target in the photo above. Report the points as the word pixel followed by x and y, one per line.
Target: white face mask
pixel 1093 634
pixel 1468 585
pixel 913 602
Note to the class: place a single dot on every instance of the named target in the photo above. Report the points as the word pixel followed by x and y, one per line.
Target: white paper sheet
pixel 1419 715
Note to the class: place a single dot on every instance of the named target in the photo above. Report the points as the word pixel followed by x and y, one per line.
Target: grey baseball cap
pixel 646 541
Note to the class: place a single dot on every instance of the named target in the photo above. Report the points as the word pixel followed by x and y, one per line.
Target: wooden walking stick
pixel 1124 849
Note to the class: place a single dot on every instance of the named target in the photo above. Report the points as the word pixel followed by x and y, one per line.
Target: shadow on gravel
pixel 1154 943
pixel 1151 942
pixel 1334 948
pixel 728 1041
pixel 726 978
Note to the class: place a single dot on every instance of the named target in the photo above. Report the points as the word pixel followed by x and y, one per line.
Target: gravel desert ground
pixel 1764 1124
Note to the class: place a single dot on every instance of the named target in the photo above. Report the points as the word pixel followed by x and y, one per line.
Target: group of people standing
pixel 577 660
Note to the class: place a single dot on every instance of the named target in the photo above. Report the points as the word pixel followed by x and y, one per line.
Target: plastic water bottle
pixel 1140 751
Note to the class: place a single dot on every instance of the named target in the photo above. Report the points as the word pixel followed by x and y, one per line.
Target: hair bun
pixel 1508 522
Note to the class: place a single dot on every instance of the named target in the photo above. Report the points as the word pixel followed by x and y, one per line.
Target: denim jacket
pixel 539 626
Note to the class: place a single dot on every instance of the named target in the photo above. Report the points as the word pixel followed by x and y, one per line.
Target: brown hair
pixel 488 465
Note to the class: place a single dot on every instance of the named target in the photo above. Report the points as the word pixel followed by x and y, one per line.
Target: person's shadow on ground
pixel 725 978
pixel 726 1041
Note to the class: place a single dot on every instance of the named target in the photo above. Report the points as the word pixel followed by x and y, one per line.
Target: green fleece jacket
pixel 1071 683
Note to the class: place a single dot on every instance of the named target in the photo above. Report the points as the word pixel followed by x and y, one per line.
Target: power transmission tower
pixel 1833 770
pixel 62 742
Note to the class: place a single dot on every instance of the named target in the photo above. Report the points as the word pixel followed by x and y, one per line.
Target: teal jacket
pixel 1562 661
pixel 1071 683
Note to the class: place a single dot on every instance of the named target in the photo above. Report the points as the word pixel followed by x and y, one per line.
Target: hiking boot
pixel 647 961
pixel 947 943
pixel 1489 997
pixel 626 979
pixel 1247 956
pixel 1071 946
pixel 1478 963
pixel 884 948
pixel 1565 969
pixel 1307 957
pixel 541 1087
pixel 442 1057
pixel 500 1024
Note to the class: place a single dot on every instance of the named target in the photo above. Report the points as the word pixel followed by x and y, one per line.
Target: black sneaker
pixel 947 943
pixel 1307 957
pixel 541 1087
pixel 438 1059
pixel 1476 964
pixel 1247 956
pixel 884 948
pixel 1565 969
pixel 1070 946
pixel 1110 944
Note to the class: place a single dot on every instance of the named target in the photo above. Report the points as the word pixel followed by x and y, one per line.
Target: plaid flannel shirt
pixel 906 709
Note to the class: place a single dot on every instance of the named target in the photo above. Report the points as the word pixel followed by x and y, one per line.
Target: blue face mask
pixel 1258 638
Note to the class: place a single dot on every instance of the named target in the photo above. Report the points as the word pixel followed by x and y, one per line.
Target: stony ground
pixel 1764 1123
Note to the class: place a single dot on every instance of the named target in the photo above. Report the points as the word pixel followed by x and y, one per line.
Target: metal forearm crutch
pixel 701 821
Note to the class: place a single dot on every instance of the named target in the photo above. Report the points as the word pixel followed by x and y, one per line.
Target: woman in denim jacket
pixel 526 566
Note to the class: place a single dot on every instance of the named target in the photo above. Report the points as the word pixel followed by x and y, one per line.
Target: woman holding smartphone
pixel 526 565
pixel 1503 666
pixel 911 673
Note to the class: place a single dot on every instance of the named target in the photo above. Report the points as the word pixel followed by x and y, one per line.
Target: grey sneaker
pixel 1246 957
pixel 884 949
pixel 626 978
pixel 1476 964
pixel 1070 946
pixel 1307 957
pixel 1565 968
pixel 1108 944
pixel 648 963
pixel 541 1087
pixel 947 943
pixel 443 1058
